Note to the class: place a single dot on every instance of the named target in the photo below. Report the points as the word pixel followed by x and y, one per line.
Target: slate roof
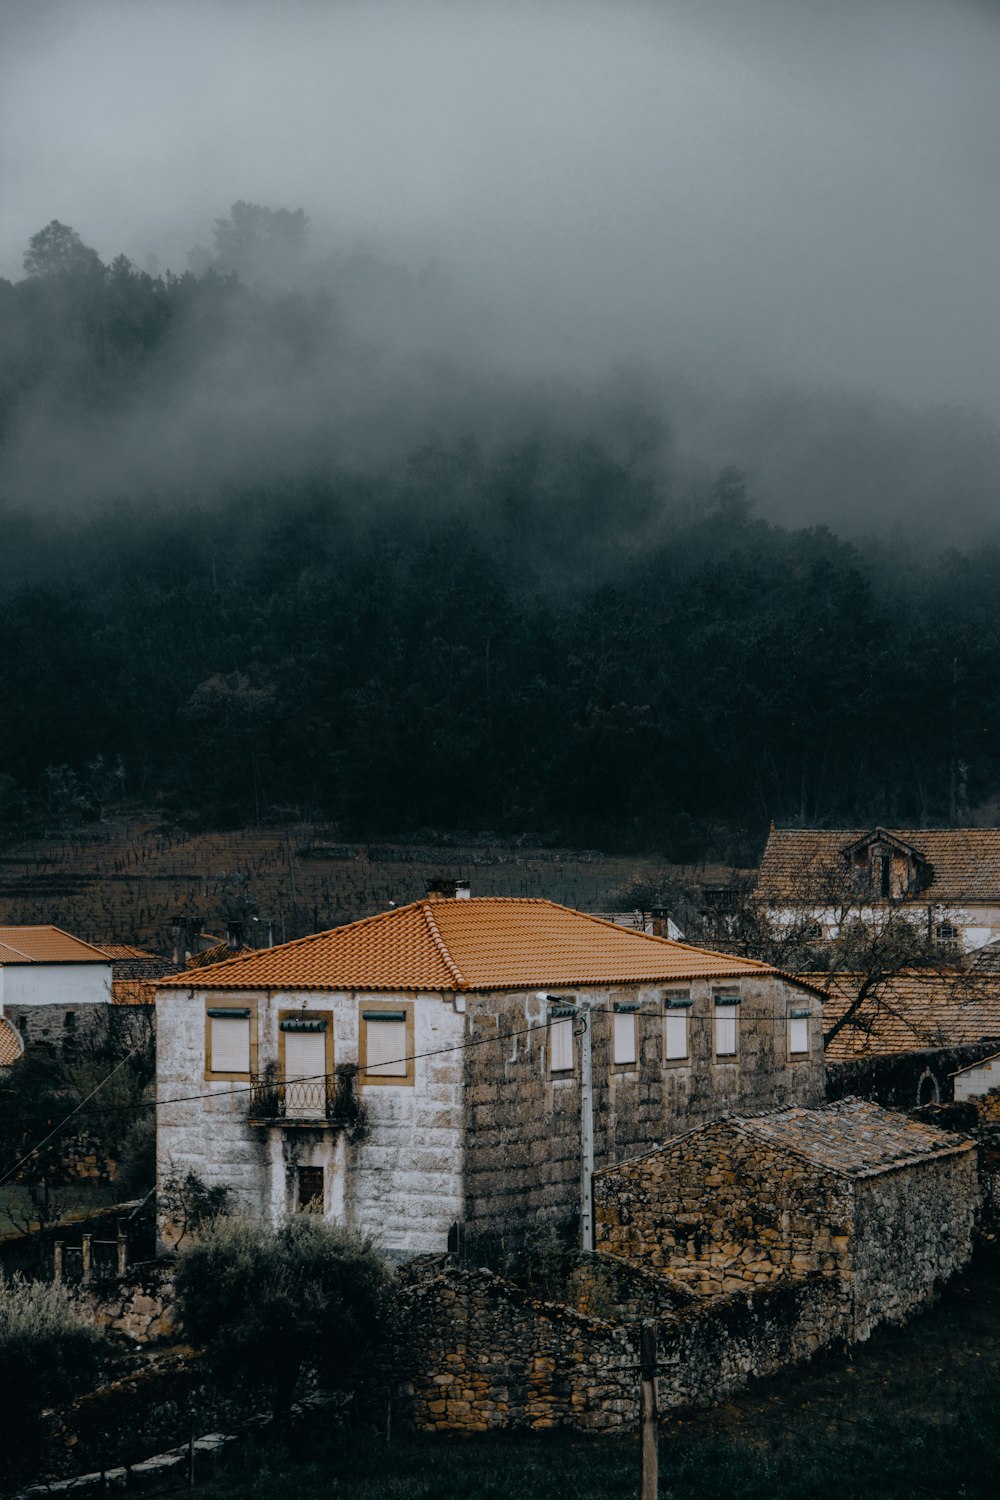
pixel 910 1012
pixel 46 945
pixel 853 1137
pixel 11 1045
pixel 487 943
pixel 118 952
pixel 965 862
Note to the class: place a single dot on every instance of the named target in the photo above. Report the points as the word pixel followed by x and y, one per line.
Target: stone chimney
pixel 234 936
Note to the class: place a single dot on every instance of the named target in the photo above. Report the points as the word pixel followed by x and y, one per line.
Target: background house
pixel 453 1068
pixel 52 985
pixel 881 1203
pixel 950 877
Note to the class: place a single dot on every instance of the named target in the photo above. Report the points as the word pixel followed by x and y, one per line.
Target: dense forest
pixel 224 597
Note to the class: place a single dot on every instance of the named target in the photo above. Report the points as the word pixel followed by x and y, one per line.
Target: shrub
pixel 49 1351
pixel 268 1303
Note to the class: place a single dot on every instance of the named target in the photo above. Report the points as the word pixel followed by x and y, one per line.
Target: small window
pixel 387 1044
pixel 946 933
pixel 309 1190
pixel 228 1041
pixel 677 1025
pixel 625 1052
pixel 69 1020
pixel 726 1012
pixel 798 1032
pixel 560 1044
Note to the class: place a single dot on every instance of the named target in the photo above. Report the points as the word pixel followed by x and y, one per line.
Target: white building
pixel 947 880
pixel 978 1078
pixel 50 982
pixel 458 1067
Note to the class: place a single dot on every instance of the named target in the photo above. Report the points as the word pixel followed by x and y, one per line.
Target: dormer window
pixel 886 866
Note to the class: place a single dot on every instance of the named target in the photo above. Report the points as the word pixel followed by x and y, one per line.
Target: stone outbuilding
pixel 879 1202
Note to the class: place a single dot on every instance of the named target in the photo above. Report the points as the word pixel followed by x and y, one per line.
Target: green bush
pixel 270 1303
pixel 50 1350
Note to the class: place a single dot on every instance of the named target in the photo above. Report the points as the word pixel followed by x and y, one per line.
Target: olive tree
pixel 268 1303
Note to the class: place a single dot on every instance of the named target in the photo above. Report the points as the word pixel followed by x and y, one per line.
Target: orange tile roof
pixel 133 991
pixel 46 945
pixel 488 943
pixel 11 1045
pixel 808 864
pixel 911 1012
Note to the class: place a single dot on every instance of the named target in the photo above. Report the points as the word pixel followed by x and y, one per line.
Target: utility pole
pixel 648 1484
pixel 586 1134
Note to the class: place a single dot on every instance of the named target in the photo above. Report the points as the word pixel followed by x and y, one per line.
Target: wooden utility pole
pixel 648 1485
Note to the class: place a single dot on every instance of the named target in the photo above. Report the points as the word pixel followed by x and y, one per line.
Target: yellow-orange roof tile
pixel 46 945
pixel 487 943
pixel 11 1045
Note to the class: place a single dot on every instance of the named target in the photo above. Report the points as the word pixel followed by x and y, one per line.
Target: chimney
pixel 441 888
pixel 234 936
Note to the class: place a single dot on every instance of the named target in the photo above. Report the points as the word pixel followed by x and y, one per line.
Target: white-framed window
pixel 625 1050
pixel 798 1032
pixel 387 1043
pixel 726 1005
pixel 561 1039
pixel 228 1041
pixel 677 1025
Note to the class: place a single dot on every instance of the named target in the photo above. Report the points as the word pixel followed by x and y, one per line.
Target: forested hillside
pixel 526 626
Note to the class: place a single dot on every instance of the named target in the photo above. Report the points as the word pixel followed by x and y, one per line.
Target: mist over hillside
pixel 569 421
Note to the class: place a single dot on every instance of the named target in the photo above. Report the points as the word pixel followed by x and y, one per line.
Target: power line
pixel 502 1036
pixel 65 1121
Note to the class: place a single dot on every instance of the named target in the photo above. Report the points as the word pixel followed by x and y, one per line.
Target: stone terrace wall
pixel 912 1231
pixel 481 1354
pixel 721 1210
pixel 139 1304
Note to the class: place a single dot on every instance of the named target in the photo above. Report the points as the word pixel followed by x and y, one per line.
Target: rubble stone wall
pixel 912 1231
pixel 481 1354
pixel 523 1123
pixel 721 1210
pixel 139 1304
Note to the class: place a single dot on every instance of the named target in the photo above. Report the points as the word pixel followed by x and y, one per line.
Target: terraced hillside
pixel 131 881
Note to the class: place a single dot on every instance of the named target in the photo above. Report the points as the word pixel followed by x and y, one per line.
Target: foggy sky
pixel 752 196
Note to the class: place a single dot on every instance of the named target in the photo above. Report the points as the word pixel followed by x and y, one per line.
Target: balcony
pixel 308 1103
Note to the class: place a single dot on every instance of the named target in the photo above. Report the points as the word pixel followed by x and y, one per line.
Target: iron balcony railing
pixel 294 1099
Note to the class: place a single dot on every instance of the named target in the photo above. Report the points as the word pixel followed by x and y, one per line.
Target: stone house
pixel 52 985
pixel 948 877
pixel 878 1202
pixel 452 1070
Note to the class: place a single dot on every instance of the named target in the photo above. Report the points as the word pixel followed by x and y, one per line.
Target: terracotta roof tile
pixel 798 862
pixel 852 1136
pixel 133 991
pixel 46 945
pixel 11 1045
pixel 911 1012
pixel 118 951
pixel 488 943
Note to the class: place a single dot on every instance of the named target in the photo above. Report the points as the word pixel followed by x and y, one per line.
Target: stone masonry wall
pixel 523 1122
pixel 481 1354
pixel 401 1182
pixel 912 1231
pixel 720 1210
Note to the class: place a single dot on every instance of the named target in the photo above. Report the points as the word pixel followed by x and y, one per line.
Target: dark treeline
pixel 529 633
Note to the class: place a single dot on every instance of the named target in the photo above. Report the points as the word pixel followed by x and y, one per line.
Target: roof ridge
pixel 441 945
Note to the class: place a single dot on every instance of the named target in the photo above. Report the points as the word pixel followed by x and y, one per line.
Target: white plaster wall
pixel 978 1080
pixel 55 984
pixel 402 1183
pixel 977 924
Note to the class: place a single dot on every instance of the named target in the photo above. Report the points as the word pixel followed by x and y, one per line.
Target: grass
pixel 915 1412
